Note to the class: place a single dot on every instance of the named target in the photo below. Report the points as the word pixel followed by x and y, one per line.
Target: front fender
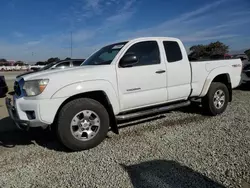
pixel 211 76
pixel 89 86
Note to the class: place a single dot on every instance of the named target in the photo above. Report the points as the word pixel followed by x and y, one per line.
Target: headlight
pixel 35 87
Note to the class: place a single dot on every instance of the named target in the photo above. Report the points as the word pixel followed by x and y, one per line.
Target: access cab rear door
pixel 179 73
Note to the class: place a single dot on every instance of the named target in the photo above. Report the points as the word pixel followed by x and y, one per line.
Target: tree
pixel 247 52
pixel 217 49
pixel 3 60
pixel 68 58
pixel 198 51
pixel 41 63
pixel 20 63
pixel 53 59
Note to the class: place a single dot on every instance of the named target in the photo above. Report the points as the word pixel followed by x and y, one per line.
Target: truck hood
pixel 26 73
pixel 59 79
pixel 69 73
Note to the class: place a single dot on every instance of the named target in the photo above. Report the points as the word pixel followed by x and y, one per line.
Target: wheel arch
pixel 98 95
pixel 218 75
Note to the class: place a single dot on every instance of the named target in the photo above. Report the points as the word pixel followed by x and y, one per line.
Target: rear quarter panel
pixel 204 73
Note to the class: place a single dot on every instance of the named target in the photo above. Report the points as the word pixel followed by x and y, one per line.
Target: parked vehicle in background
pixel 244 58
pixel 3 86
pixel 14 68
pixel 245 75
pixel 121 81
pixel 63 64
pixel 192 57
pixel 218 57
pixel 36 67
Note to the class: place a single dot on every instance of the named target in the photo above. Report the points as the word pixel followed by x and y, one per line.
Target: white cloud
pixel 199 11
pixel 195 38
pixel 11 4
pixel 199 25
pixel 124 12
pixel 33 43
pixel 128 4
pixel 121 17
pixel 194 26
pixel 241 13
pixel 94 5
pixel 83 35
pixel 17 34
pixel 83 10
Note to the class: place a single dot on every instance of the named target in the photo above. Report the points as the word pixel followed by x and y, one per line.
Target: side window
pixel 147 53
pixel 63 64
pixel 77 63
pixel 173 51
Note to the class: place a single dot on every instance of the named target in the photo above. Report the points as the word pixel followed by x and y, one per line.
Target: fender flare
pixel 90 86
pixel 212 75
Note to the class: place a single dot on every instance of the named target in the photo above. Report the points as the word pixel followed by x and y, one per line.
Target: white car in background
pixel 62 64
pixel 14 68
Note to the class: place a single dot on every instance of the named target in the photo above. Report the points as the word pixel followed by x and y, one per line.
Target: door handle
pixel 160 71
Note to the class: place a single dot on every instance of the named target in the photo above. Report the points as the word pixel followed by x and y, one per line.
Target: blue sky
pixel 35 30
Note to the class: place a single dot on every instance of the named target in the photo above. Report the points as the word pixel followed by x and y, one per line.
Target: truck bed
pixel 202 73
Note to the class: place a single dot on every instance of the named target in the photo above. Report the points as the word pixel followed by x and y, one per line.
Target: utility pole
pixel 71 44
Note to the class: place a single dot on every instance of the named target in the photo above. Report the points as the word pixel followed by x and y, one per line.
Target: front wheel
pixel 82 124
pixel 216 100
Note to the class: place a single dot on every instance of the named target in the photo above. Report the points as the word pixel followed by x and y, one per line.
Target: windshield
pixel 105 55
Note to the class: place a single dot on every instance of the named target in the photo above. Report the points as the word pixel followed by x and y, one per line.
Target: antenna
pixel 71 44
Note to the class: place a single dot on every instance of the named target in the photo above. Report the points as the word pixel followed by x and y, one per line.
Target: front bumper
pixel 21 123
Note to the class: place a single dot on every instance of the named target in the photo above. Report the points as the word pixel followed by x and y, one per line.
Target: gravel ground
pixel 177 149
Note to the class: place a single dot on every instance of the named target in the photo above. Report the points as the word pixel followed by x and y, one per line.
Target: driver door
pixel 143 84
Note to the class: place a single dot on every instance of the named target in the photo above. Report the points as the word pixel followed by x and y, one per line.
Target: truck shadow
pixel 11 137
pixel 195 108
pixel 243 87
pixel 11 93
pixel 2 96
pixel 163 173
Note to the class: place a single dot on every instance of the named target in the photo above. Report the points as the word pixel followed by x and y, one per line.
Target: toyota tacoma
pixel 121 81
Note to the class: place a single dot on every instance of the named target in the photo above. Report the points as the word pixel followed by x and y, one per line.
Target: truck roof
pixel 156 38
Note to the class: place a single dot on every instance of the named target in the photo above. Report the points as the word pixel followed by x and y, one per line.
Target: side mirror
pixel 128 60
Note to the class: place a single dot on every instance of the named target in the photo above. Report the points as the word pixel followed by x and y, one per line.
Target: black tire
pixel 208 101
pixel 66 115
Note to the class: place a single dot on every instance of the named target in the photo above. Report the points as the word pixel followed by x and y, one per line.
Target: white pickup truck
pixel 121 81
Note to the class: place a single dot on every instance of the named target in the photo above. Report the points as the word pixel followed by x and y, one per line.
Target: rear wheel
pixel 82 124
pixel 216 100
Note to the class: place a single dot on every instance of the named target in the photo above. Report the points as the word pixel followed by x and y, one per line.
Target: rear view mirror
pixel 128 60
